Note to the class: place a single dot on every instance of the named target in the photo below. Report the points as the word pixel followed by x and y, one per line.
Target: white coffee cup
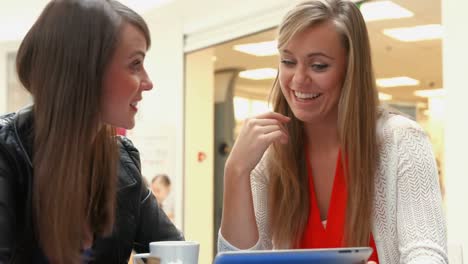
pixel 172 252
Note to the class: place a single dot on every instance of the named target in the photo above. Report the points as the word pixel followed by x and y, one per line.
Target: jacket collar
pixel 23 128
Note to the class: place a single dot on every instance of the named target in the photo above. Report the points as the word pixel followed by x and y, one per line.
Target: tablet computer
pixel 352 255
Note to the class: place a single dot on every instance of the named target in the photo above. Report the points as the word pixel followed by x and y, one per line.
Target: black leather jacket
pixel 139 220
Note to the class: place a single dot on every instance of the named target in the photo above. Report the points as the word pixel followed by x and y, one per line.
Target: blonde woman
pixel 329 168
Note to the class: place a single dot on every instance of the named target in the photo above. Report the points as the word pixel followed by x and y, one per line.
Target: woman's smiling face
pixel 125 79
pixel 312 71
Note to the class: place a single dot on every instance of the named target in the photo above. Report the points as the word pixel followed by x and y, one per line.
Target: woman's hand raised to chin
pixel 238 224
pixel 257 134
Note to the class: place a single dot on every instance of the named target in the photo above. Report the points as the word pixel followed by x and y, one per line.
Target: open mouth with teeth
pixel 307 96
pixel 134 106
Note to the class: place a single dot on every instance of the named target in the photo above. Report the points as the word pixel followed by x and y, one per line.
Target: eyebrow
pixel 313 54
pixel 138 52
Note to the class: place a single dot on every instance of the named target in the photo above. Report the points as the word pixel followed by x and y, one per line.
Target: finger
pixel 263 122
pixel 275 136
pixel 284 128
pixel 270 128
pixel 253 123
pixel 274 115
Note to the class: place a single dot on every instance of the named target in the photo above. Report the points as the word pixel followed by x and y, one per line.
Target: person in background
pixel 161 188
pixel 71 191
pixel 329 167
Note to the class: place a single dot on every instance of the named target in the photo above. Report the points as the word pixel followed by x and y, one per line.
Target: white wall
pixel 214 22
pixel 455 70
pixel 201 15
pixel 199 152
pixel 5 48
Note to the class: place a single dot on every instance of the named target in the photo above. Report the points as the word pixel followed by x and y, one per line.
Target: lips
pixel 134 106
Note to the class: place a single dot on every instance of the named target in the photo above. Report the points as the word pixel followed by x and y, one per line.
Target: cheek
pixel 107 99
pixel 112 98
pixel 283 80
pixel 121 95
pixel 330 82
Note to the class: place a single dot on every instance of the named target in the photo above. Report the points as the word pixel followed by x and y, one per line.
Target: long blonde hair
pixel 289 204
pixel 61 62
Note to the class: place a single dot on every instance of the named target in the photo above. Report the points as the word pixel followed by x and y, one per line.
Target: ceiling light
pixel 259 74
pixel 397 81
pixel 417 33
pixel 385 97
pixel 372 11
pixel 430 93
pixel 267 48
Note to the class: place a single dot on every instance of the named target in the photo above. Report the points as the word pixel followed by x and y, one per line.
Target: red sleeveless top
pixel 316 235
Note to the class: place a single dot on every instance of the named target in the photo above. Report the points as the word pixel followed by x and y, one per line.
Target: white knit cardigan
pixel 408 220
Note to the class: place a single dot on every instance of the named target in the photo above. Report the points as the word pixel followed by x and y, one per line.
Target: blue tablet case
pixel 311 256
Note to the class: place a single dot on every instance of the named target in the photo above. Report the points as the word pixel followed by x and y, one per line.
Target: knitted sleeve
pixel 421 226
pixel 259 186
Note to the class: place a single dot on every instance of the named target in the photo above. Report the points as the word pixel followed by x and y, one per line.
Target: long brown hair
pixel 357 116
pixel 61 62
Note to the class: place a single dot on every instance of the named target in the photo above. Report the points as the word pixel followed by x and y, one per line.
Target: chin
pixel 307 117
pixel 128 126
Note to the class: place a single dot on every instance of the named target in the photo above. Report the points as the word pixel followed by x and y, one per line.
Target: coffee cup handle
pixel 137 259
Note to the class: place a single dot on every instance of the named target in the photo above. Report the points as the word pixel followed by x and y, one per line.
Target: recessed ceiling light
pixel 259 74
pixel 430 93
pixel 380 10
pixel 266 48
pixel 385 97
pixel 397 81
pixel 417 33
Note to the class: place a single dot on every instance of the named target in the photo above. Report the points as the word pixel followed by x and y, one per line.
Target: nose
pixel 146 84
pixel 300 75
